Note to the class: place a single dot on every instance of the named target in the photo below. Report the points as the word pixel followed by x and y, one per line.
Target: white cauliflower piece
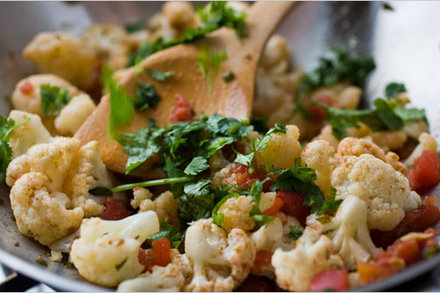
pixel 41 214
pixel 171 278
pixel 268 235
pixel 317 155
pixel 386 191
pixel 349 232
pixel 236 212
pixel 29 100
pixel 139 195
pixel 107 251
pixel 282 149
pixel 415 128
pixel 276 54
pixel 426 143
pixel 31 133
pixel 65 55
pixel 220 262
pixel 73 115
pixel 165 206
pixel 296 268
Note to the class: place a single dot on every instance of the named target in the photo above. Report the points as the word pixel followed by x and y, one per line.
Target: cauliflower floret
pixel 349 232
pixel 268 235
pixel 236 212
pixel 386 192
pixel 107 251
pixel 30 100
pixel 426 143
pixel 276 54
pixel 296 268
pixel 352 146
pixel 64 55
pixel 282 149
pixel 171 278
pixel 327 135
pixel 73 115
pixel 110 42
pixel 179 15
pixel 69 169
pixel 220 262
pixel 31 133
pixel 317 155
pixel 139 195
pixel 165 206
pixel 389 140
pixel 43 215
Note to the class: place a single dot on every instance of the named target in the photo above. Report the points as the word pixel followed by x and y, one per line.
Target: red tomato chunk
pixel 182 111
pixel 426 171
pixel 275 208
pixel 318 113
pixel 294 205
pixel 385 267
pixel 246 179
pixel 335 280
pixel 27 88
pixel 158 255
pixel 114 210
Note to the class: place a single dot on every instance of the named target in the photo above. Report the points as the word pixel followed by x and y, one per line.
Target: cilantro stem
pixel 155 182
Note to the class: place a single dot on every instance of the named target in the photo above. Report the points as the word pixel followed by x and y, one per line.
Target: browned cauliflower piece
pixel 236 212
pixel 65 55
pixel 165 205
pixel 386 191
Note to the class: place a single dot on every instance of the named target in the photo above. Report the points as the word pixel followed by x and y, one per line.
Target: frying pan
pixel 405 43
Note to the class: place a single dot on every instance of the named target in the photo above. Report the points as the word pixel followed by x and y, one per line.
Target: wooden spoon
pixel 231 99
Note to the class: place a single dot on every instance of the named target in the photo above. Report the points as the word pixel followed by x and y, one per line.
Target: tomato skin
pixel 319 114
pixel 114 210
pixel 158 255
pixel 27 88
pixel 277 205
pixel 245 179
pixel 372 271
pixel 408 250
pixel 182 111
pixel 262 259
pixel 425 172
pixel 414 221
pixel 335 280
pixel 294 205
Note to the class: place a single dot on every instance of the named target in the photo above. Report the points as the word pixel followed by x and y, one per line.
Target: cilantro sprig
pixel 53 99
pixel 213 17
pixel 7 126
pixel 169 232
pixel 146 96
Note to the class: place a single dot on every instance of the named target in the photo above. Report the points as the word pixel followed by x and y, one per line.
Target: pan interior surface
pixel 404 43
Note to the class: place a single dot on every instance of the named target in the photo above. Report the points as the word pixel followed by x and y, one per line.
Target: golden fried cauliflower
pixel 282 149
pixel 31 133
pixel 107 251
pixel 40 213
pixel 29 100
pixel 73 115
pixel 351 146
pixel 426 143
pixel 386 191
pixel 165 205
pixel 220 261
pixel 295 269
pixel 171 278
pixel 236 212
pixel 349 232
pixel 317 155
pixel 65 55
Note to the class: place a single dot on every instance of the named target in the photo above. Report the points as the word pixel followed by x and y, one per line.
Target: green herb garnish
pixel 170 232
pixel 229 76
pixel 121 264
pixel 146 96
pixel 209 63
pixel 393 89
pixel 135 26
pixel 101 191
pixel 295 232
pixel 53 99
pixel 151 183
pixel 159 75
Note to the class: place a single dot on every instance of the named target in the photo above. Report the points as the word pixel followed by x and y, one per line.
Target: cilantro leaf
pixel 255 192
pixel 331 204
pixel 197 165
pixel 409 114
pixel 135 26
pixel 302 180
pixel 385 112
pixel 159 75
pixel 7 126
pixel 197 201
pixel 295 232
pixel 393 89
pixel 53 99
pixel 210 63
pixel 146 96
pixel 170 232
pixel 121 105
pixel 220 125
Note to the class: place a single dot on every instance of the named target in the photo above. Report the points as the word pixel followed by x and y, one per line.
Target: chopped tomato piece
pixel 318 113
pixel 372 271
pixel 158 255
pixel 27 88
pixel 335 280
pixel 277 205
pixel 408 250
pixel 294 205
pixel 425 172
pixel 246 179
pixel 414 221
pixel 262 259
pixel 114 210
pixel 182 111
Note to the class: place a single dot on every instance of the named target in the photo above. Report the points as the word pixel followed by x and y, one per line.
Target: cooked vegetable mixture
pixel 310 193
